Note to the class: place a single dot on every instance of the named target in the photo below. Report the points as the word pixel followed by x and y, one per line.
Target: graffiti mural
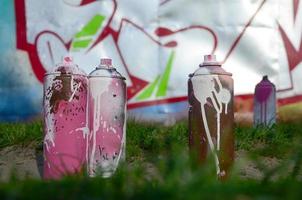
pixel 155 44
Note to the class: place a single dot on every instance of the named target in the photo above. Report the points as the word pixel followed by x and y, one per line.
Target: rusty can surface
pixel 65 120
pixel 211 115
pixel 107 114
pixel 265 103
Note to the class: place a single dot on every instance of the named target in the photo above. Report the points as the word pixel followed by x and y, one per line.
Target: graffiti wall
pixel 155 44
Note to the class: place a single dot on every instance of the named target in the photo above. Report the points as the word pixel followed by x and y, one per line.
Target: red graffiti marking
pixel 294 57
pixel 84 2
pixel 162 31
pixel 243 31
pixel 295 7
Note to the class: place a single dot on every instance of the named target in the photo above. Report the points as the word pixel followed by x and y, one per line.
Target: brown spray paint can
pixel 211 114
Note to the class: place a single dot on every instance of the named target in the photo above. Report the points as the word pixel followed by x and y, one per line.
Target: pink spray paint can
pixel 265 103
pixel 65 120
pixel 107 119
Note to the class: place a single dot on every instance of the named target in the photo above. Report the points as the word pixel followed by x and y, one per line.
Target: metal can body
pixel 211 116
pixel 65 123
pixel 107 121
pixel 265 103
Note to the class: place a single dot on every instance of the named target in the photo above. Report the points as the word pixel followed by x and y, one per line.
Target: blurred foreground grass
pixel 158 166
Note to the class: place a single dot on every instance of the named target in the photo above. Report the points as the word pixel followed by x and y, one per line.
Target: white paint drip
pixel 48 165
pixel 112 129
pixel 123 142
pixel 50 134
pixel 224 96
pixel 204 88
pixel 121 154
pixel 226 109
pixel 74 91
pixel 95 92
pixel 86 128
pixel 218 109
pixel 218 131
pixel 85 131
pixel 205 122
pixel 96 126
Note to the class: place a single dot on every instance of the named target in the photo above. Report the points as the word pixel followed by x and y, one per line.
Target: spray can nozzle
pixel 67 60
pixel 106 62
pixel 210 60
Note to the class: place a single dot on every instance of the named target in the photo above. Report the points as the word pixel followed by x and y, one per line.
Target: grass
pixel 145 140
pixel 158 166
pixel 277 141
pixel 20 133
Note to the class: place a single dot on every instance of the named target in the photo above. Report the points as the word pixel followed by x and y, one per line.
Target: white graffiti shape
pixel 205 88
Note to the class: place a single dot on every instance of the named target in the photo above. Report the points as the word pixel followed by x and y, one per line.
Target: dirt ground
pixel 27 162
pixel 20 162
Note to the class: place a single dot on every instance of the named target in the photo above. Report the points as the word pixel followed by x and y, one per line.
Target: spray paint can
pixel 65 120
pixel 211 115
pixel 265 103
pixel 107 114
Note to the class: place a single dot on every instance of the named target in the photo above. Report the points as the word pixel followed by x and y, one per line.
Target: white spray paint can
pixel 211 114
pixel 107 119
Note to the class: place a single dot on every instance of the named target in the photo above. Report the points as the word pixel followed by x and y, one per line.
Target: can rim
pixel 204 64
pixel 192 75
pixel 57 73
pixel 117 77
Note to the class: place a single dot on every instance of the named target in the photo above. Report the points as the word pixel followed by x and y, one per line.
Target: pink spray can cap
pixel 210 60
pixel 106 62
pixel 67 60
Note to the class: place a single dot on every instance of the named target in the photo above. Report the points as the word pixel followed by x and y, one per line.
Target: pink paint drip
pixel 263 92
pixel 67 153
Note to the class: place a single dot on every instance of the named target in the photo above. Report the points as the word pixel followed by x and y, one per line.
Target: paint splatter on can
pixel 107 119
pixel 211 115
pixel 265 103
pixel 65 120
